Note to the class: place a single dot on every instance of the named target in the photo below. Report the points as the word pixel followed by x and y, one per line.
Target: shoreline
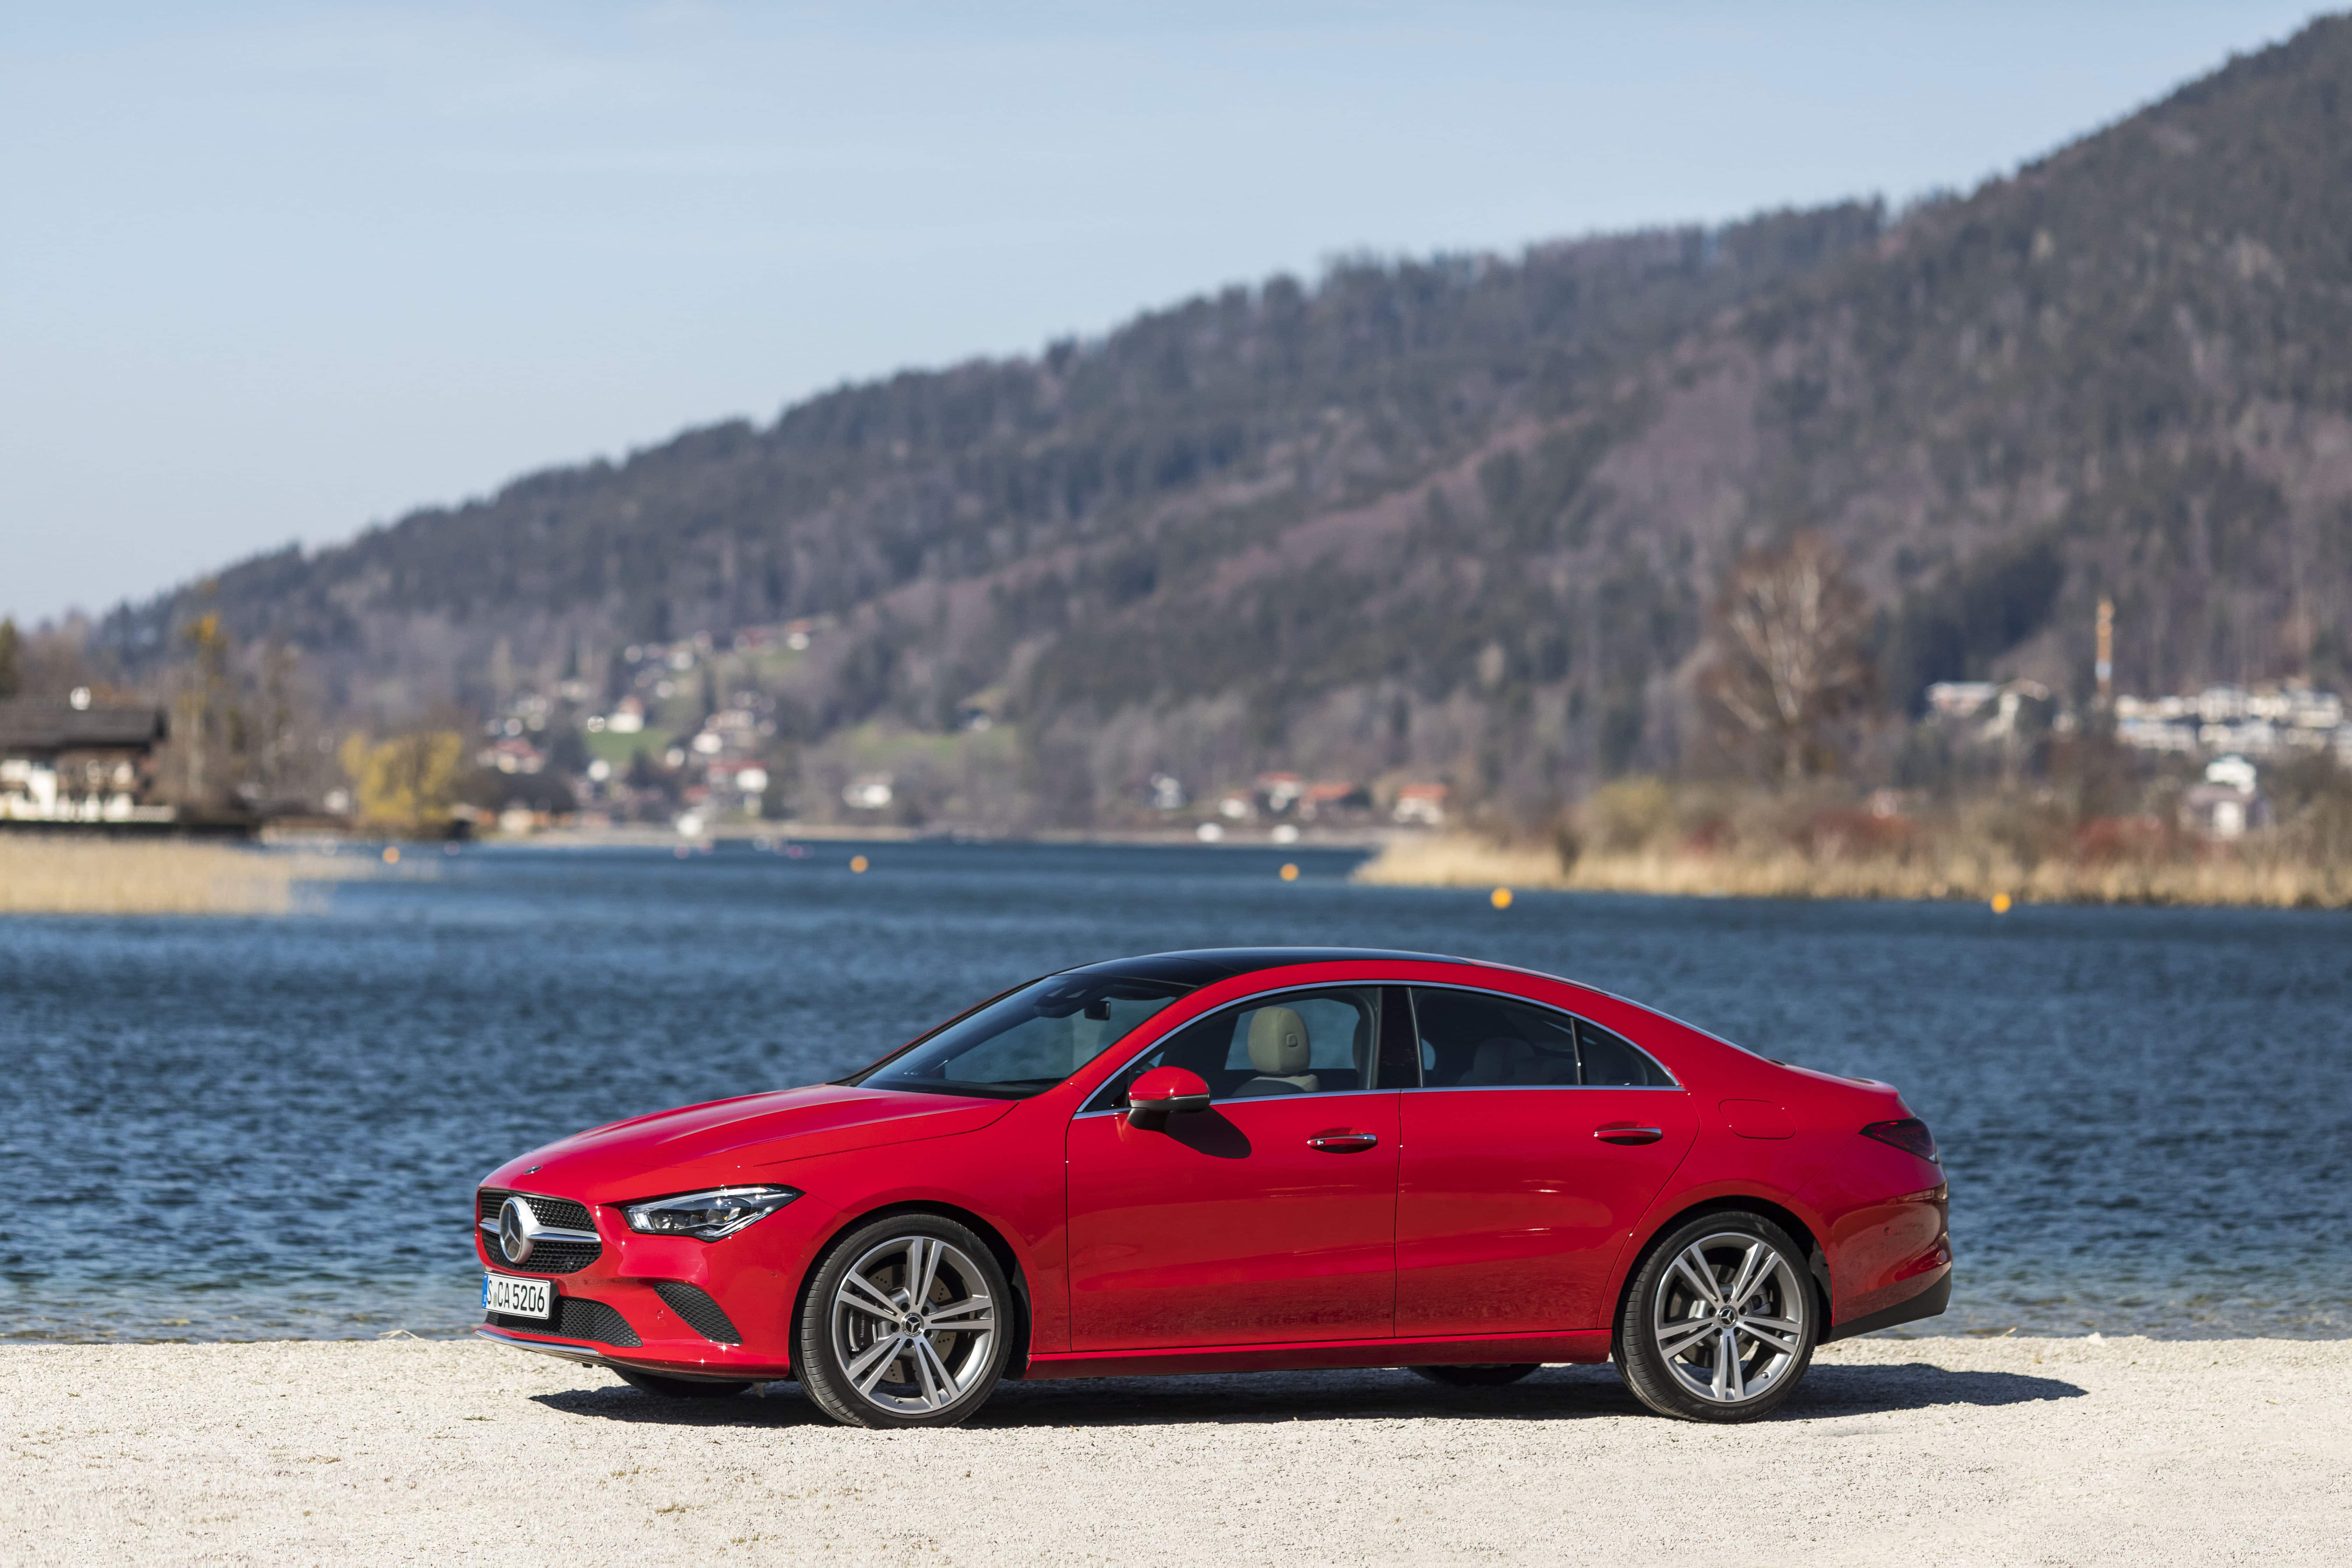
pixel 1932 1451
pixel 1460 861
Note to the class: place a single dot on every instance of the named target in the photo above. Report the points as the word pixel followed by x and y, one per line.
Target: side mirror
pixel 1161 1093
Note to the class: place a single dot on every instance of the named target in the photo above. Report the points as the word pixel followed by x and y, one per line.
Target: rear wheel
pixel 1719 1321
pixel 678 1387
pixel 907 1324
pixel 1480 1375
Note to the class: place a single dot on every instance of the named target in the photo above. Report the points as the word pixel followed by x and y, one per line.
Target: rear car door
pixel 1268 1218
pixel 1534 1142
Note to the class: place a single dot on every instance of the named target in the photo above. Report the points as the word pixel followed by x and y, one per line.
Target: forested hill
pixel 1462 517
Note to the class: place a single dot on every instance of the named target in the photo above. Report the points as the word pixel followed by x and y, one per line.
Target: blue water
pixel 223 1129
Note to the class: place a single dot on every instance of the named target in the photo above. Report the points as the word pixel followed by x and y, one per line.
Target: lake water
pixel 236 1129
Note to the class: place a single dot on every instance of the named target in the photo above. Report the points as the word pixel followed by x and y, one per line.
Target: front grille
pixel 548 1255
pixel 576 1318
pixel 702 1314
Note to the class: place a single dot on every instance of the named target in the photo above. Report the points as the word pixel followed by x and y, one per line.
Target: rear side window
pixel 1613 1060
pixel 1295 1042
pixel 1471 1039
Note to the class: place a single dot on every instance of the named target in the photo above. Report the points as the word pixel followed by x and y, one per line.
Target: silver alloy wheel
pixel 1728 1318
pixel 914 1327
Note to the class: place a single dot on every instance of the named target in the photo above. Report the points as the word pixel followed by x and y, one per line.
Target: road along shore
pixel 1928 1450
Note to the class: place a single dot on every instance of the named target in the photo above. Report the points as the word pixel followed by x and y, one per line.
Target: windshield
pixel 1028 1040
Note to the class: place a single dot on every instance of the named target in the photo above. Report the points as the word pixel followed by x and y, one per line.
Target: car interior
pixel 1324 1042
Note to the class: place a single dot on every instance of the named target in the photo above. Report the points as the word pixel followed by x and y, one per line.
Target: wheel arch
pixel 1804 1234
pixel 1016 1363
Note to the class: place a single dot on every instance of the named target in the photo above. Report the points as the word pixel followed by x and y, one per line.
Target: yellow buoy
pixel 2001 903
pixel 1500 898
pixel 858 862
pixel 392 854
pixel 1289 872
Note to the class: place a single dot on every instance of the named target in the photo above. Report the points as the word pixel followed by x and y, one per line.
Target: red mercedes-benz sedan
pixel 1231 1159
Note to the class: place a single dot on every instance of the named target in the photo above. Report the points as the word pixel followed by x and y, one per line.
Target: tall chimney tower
pixel 2106 666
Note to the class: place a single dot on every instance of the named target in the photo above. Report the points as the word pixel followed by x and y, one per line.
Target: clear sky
pixel 275 271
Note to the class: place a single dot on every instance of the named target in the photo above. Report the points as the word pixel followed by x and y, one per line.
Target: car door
pixel 1533 1144
pixel 1267 1218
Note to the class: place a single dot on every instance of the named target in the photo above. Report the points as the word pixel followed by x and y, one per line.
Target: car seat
pixel 1278 1052
pixel 1505 1061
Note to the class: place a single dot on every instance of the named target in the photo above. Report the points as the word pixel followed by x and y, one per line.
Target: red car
pixel 1233 1160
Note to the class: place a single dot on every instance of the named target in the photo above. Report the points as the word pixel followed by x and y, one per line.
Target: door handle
pixel 1621 1133
pixel 1343 1142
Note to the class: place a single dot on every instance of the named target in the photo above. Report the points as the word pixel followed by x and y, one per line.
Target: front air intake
pixel 576 1318
pixel 702 1314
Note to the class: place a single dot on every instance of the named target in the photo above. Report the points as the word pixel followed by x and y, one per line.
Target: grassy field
pixel 108 877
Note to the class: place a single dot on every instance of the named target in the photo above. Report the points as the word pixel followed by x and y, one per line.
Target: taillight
pixel 1910 1134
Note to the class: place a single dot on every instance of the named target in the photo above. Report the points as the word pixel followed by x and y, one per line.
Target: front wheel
pixel 908 1323
pixel 1719 1321
pixel 1477 1376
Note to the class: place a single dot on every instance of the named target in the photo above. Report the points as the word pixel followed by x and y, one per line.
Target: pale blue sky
pixel 279 271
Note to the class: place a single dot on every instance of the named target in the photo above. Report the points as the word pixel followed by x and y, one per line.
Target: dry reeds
pixel 2250 879
pixel 106 877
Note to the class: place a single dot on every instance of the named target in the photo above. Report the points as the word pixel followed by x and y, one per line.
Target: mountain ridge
pixel 1463 516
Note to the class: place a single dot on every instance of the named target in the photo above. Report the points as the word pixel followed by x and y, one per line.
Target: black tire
pixel 1670 1344
pixel 965 1271
pixel 678 1387
pixel 1481 1375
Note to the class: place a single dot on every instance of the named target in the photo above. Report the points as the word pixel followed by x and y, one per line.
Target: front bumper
pixel 589 1353
pixel 751 1276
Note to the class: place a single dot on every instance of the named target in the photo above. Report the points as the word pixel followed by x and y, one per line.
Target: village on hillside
pixel 687 737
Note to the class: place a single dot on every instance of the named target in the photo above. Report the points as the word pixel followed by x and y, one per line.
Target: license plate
pixel 517 1297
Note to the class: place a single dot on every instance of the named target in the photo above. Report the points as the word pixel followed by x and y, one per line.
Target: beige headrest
pixel 1277 1042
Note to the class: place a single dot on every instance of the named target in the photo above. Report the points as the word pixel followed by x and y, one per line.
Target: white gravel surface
pixel 1911 1451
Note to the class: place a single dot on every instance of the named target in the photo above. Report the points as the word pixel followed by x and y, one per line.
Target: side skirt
pixel 1578 1345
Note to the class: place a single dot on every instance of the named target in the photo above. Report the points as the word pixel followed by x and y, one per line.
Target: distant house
pixel 2227 803
pixel 1329 797
pixel 71 761
pixel 1419 806
pixel 2264 722
pixel 869 792
pixel 1960 699
pixel 511 755
pixel 739 776
pixel 1277 792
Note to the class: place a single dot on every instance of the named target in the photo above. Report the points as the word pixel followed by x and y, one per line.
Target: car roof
pixel 1206 965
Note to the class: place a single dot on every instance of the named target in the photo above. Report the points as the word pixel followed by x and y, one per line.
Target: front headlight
pixel 707 1215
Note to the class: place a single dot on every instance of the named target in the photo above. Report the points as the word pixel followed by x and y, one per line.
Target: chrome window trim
pixel 1251 1001
pixel 1250 1099
pixel 1542 1087
pixel 1673 1083
pixel 1673 1086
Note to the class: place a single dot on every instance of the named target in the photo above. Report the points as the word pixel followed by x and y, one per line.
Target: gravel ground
pixel 1936 1451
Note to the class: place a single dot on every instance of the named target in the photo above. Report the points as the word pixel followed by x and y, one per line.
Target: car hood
pixel 730 1140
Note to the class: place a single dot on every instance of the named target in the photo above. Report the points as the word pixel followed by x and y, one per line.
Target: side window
pixel 1470 1040
pixel 1613 1060
pixel 1297 1042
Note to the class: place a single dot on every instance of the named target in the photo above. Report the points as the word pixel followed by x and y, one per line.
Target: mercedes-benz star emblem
pixel 517 1225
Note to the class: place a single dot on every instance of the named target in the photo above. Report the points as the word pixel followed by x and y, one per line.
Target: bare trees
pixel 1789 666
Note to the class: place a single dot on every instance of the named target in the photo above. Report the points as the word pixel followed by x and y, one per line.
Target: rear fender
pixel 1805 1225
